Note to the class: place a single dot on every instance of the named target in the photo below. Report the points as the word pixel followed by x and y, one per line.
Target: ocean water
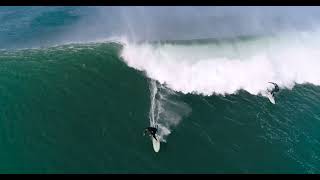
pixel 72 105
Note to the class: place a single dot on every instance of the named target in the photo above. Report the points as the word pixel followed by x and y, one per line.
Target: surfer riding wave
pixel 275 89
pixel 151 131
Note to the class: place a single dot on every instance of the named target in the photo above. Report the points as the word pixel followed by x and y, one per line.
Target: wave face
pixel 226 67
pixel 79 108
pixel 69 106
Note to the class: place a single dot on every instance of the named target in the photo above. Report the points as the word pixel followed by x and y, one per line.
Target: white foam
pixel 224 69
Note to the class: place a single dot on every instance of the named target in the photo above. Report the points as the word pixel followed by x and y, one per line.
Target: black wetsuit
pixel 276 88
pixel 152 131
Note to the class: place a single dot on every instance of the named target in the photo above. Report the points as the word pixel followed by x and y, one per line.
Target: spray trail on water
pixel 166 110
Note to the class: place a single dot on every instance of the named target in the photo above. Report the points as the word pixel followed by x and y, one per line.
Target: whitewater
pixel 80 84
pixel 226 67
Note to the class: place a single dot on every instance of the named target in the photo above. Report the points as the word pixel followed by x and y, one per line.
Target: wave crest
pixel 226 68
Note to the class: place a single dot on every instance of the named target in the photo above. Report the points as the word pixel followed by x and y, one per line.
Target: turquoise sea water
pixel 79 108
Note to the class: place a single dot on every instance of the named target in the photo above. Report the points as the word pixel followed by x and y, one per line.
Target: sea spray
pixel 166 110
pixel 225 68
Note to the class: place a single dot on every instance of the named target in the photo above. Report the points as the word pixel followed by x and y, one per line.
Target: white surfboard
pixel 271 98
pixel 156 144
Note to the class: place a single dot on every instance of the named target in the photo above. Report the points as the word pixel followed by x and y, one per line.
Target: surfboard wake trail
pixel 166 110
